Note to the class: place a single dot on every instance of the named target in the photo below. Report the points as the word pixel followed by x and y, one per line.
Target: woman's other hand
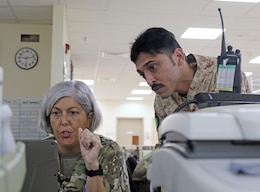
pixel 90 145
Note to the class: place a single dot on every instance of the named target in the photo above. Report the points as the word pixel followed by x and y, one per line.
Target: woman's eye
pixel 55 113
pixel 73 112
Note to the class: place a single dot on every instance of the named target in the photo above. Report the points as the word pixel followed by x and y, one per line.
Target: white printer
pixel 215 149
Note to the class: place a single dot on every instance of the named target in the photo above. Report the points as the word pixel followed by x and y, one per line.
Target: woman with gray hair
pixel 87 161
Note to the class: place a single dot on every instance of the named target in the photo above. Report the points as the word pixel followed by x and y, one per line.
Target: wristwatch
pixel 92 173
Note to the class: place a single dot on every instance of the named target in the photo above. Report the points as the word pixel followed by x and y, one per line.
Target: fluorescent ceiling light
pixel 143 84
pixel 129 132
pixel 242 1
pixel 248 73
pixel 115 54
pixel 87 81
pixel 134 98
pixel 201 33
pixel 256 91
pixel 255 60
pixel 141 92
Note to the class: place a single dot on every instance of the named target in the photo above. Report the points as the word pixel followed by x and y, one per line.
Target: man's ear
pixel 179 56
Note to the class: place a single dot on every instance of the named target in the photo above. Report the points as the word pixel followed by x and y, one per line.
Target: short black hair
pixel 154 40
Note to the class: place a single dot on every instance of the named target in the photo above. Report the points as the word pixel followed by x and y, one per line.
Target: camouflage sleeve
pixel 140 170
pixel 112 159
pixel 139 176
pixel 245 88
pixel 115 177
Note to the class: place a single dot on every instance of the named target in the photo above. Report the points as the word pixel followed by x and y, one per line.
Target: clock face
pixel 26 58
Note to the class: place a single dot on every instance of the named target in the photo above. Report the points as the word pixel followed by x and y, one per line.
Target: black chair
pixel 131 163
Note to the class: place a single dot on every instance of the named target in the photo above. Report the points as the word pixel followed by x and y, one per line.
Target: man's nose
pixel 150 79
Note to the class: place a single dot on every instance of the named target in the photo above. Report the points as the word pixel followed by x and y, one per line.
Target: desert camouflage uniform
pixel 204 80
pixel 142 184
pixel 112 159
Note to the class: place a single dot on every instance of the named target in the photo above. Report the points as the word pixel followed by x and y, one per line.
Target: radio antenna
pixel 223 47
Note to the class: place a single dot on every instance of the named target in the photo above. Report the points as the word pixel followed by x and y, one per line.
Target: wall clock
pixel 26 58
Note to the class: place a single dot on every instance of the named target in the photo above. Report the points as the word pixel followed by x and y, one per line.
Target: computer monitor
pixel 13 169
pixel 42 166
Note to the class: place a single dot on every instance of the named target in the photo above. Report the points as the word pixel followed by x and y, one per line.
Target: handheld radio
pixel 229 67
pixel 229 81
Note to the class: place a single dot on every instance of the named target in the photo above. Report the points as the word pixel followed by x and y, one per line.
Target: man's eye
pixel 152 67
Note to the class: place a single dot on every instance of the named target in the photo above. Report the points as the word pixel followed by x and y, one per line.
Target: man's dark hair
pixel 154 40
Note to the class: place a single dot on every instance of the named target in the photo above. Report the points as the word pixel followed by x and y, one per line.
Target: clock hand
pixel 29 57
pixel 26 57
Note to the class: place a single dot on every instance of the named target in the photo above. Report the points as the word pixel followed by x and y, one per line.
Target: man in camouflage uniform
pixel 174 77
pixel 204 80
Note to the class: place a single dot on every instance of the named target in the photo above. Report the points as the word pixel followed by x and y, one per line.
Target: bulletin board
pixel 25 119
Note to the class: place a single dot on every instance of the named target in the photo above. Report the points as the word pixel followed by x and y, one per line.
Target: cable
pixel 184 104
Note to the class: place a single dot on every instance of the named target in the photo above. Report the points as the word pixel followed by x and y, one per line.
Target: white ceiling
pixel 101 33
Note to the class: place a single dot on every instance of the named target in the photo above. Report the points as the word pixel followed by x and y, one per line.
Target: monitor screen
pixel 41 166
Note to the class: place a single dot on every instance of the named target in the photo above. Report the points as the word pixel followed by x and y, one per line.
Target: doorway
pixel 129 131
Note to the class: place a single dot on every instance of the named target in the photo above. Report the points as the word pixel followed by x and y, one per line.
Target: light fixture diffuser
pixel 143 84
pixel 87 81
pixel 134 98
pixel 256 60
pixel 201 33
pixel 248 73
pixel 141 92
pixel 241 1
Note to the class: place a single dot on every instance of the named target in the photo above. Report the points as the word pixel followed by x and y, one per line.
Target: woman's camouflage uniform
pixel 112 159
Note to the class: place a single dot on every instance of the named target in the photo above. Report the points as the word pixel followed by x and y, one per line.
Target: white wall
pixel 34 83
pixel 112 109
pixel 59 39
pixel 19 83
